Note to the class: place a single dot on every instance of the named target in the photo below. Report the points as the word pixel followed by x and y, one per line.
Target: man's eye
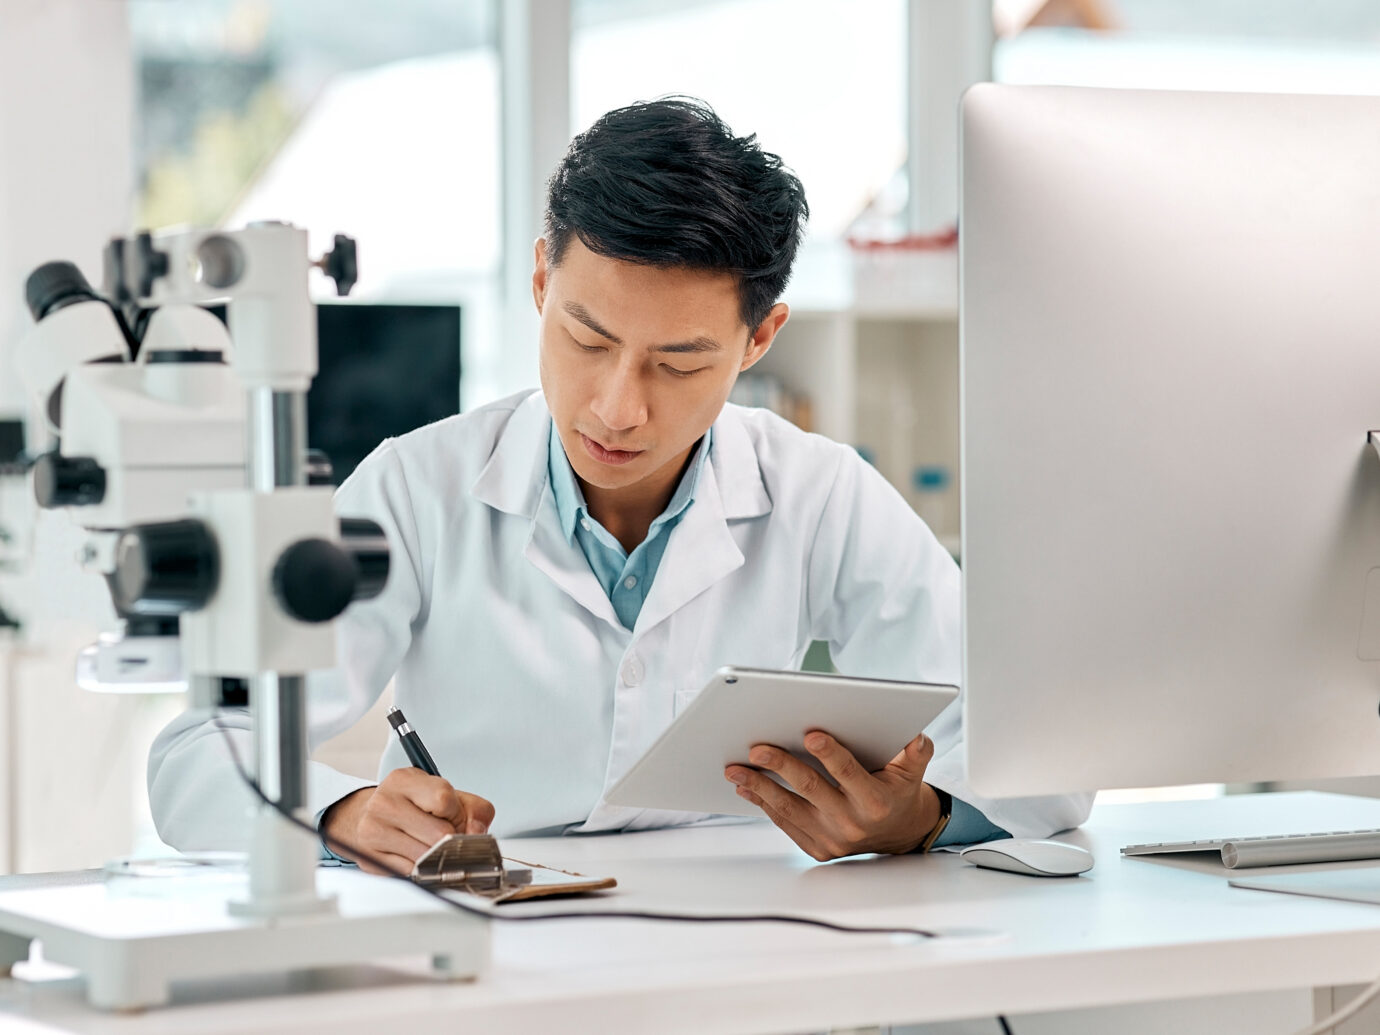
pixel 679 372
pixel 588 348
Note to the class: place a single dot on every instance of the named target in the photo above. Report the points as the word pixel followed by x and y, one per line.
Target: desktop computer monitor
pixel 1170 325
pixel 383 369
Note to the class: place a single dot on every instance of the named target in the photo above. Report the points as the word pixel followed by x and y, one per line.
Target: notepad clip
pixel 470 862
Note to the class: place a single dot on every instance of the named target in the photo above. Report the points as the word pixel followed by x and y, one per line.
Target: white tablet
pixel 740 707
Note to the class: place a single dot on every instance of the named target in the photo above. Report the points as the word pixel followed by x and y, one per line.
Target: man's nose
pixel 621 403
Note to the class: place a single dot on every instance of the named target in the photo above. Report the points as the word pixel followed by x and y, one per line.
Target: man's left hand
pixel 890 810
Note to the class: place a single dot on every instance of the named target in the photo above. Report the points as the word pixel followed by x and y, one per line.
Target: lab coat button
pixel 633 670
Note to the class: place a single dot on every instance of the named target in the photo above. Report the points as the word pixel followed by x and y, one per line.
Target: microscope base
pixel 133 936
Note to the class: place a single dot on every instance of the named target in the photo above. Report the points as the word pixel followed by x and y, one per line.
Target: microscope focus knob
pixel 314 580
pixel 54 285
pixel 341 264
pixel 165 568
pixel 366 543
pixel 68 481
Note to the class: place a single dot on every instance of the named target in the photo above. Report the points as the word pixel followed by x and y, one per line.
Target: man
pixel 571 565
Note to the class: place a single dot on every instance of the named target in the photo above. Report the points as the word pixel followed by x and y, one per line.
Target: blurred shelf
pixel 917 285
pixel 832 279
pixel 872 345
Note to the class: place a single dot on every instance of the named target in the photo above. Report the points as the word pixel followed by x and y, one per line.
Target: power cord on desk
pixel 340 847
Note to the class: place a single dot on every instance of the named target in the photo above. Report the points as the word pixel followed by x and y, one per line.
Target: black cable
pixel 334 843
pixel 1005 1028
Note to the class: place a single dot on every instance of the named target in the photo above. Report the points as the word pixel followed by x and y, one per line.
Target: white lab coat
pixel 512 664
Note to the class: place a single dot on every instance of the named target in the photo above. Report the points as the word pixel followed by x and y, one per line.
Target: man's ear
pixel 765 334
pixel 539 273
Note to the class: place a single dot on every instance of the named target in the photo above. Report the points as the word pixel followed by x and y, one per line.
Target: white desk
pixel 1129 931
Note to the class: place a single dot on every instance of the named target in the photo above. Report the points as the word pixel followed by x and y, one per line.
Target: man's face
pixel 637 362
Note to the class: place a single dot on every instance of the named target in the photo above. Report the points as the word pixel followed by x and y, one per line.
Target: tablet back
pixel 740 707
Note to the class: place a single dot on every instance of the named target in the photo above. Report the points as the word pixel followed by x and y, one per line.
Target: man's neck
pixel 628 512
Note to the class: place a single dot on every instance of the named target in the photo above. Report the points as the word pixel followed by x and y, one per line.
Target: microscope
pixel 180 449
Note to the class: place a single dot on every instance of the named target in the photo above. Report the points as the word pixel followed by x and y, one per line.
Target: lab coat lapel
pixel 515 475
pixel 565 564
pixel 702 550
pixel 516 481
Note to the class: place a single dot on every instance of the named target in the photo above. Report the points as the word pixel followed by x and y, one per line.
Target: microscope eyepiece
pixel 54 285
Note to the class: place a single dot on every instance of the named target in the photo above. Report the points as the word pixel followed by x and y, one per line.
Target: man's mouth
pixel 605 455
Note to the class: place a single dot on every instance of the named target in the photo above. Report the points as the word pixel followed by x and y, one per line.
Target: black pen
pixel 412 744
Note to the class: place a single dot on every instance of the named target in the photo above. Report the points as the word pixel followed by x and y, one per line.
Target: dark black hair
pixel 667 184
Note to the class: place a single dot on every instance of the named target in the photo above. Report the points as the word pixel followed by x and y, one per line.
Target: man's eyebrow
pixel 701 344
pixel 582 314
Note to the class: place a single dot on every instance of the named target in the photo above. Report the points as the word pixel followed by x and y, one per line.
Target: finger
pixel 790 806
pixel 424 827
pixel 389 810
pixel 429 793
pixel 913 759
pixel 376 836
pixel 806 843
pixel 850 774
pixel 804 779
pixel 479 813
pixel 382 863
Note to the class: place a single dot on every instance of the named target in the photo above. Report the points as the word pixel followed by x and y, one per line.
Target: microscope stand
pixel 132 936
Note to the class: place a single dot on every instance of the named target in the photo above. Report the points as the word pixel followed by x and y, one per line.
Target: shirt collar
pixel 517 474
pixel 570 500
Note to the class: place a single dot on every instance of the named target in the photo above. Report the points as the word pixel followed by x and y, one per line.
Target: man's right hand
pixel 401 818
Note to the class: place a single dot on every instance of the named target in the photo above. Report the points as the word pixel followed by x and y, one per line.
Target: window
pixel 338 115
pixel 822 84
pixel 1327 47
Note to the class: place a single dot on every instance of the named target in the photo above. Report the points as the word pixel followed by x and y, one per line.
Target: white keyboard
pixel 1276 850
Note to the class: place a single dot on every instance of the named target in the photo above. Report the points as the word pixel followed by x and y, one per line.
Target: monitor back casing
pixel 1170 337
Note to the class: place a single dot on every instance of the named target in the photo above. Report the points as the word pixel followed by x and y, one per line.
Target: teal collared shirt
pixel 626 577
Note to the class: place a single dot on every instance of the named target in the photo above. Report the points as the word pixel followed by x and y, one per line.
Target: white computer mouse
pixel 1028 856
